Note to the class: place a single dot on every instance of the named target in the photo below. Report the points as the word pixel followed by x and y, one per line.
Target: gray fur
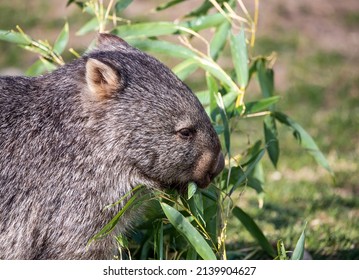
pixel 66 154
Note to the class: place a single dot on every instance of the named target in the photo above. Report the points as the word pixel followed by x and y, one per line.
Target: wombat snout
pixel 207 169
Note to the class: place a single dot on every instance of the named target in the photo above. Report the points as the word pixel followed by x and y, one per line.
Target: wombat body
pixel 79 138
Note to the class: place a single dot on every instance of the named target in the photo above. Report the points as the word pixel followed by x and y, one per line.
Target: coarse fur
pixel 79 138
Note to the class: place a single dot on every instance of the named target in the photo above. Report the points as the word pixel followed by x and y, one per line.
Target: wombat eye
pixel 185 133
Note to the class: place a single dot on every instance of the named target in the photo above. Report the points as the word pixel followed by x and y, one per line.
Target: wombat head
pixel 149 117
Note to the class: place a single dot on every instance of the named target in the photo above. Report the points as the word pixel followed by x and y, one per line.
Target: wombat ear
pixel 103 80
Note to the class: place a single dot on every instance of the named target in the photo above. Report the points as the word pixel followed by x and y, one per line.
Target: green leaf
pixel 260 105
pixel 122 4
pixel 204 22
pixel 111 225
pixel 168 5
pixel 203 9
pixel 36 69
pixel 191 190
pixel 174 50
pixel 189 232
pixel 242 176
pixel 298 252
pixel 305 140
pixel 196 207
pixel 240 57
pixel 48 65
pixel 282 254
pixel 271 138
pixel 163 47
pixel 146 29
pixel 185 68
pixel 212 92
pixel 91 25
pixel 266 79
pixel 219 39
pixel 255 184
pixel 62 40
pixel 254 230
pixel 14 37
pixel 222 111
pixel 158 241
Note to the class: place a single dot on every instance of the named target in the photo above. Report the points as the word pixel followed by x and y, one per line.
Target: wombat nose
pixel 219 166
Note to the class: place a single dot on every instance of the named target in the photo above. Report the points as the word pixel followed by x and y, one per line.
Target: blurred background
pixel 317 76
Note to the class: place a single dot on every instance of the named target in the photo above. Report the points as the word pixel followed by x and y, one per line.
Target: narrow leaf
pixel 271 138
pixel 266 79
pixel 253 161
pixel 111 225
pixel 174 50
pixel 122 4
pixel 162 47
pixel 189 232
pixel 62 40
pixel 159 241
pixel 14 37
pixel 146 29
pixel 36 69
pixel 169 4
pixel 282 254
pixel 185 68
pixel 227 133
pixel 191 190
pixel 204 22
pixel 305 140
pixel 212 92
pixel 260 105
pixel 219 39
pixel 254 230
pixel 298 252
pixel 240 58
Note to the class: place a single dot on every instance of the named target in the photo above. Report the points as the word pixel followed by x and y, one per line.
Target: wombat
pixel 79 138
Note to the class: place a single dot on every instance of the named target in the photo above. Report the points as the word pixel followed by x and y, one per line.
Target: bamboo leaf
pixel 298 252
pixel 146 29
pixel 260 105
pixel 219 39
pixel 240 58
pixel 271 138
pixel 62 40
pixel 191 190
pixel 14 37
pixel 222 111
pixel 282 254
pixel 168 5
pixel 111 225
pixel 36 69
pixel 254 230
pixel 185 68
pixel 204 22
pixel 163 47
pixel 305 140
pixel 158 241
pixel 266 79
pixel 242 176
pixel 189 232
pixel 174 50
pixel 122 4
pixel 212 92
